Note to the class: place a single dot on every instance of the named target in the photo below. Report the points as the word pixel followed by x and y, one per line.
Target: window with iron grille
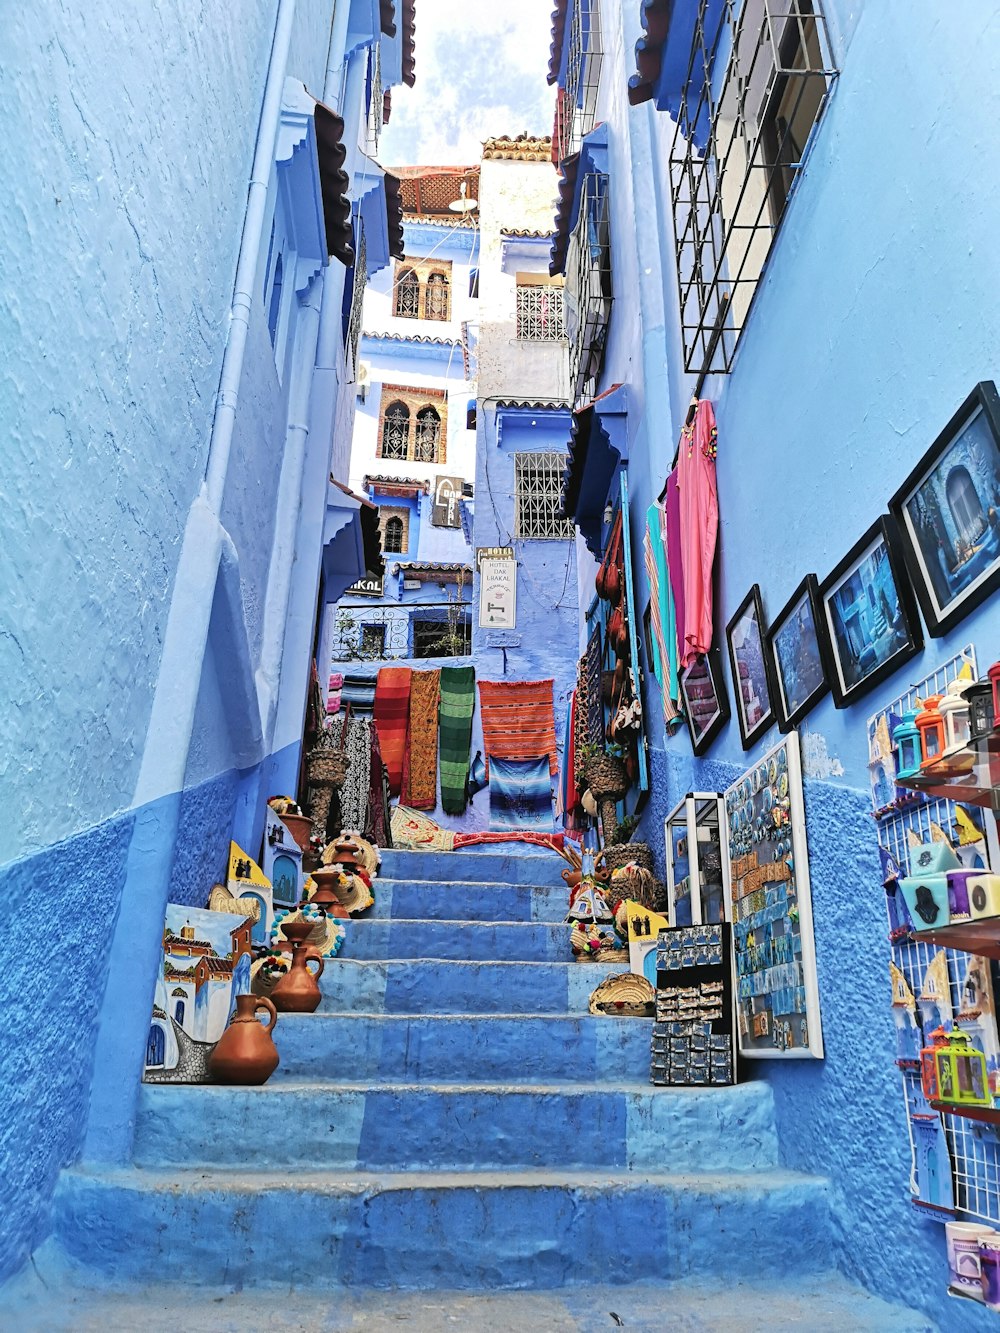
pixel 395 432
pixel 577 103
pixel 540 313
pixel 740 140
pixel 436 297
pixel 442 637
pixel 407 296
pixel 428 436
pixel 588 291
pixel 357 302
pixel 372 640
pixel 395 530
pixel 538 484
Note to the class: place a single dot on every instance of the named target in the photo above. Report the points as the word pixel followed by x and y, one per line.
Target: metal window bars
pixel 357 303
pixel 576 105
pixel 381 633
pixel 758 80
pixel 392 536
pixel 428 436
pixel 436 294
pixel 441 638
pixel 589 288
pixel 538 479
pixel 407 296
pixel 540 314
pixel 395 432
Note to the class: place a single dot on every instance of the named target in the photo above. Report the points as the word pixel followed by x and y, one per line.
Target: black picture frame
pixel 745 669
pixel 948 514
pixel 869 614
pixel 798 684
pixel 704 724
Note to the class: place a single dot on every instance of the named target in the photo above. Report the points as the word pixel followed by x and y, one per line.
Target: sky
pixel 481 68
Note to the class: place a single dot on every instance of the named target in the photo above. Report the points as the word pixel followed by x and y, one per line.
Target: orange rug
pixel 518 721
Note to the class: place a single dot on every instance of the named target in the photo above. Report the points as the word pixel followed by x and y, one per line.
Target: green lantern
pixel 961 1072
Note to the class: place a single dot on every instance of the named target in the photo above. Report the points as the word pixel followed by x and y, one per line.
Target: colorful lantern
pixel 981 715
pixel 906 739
pixel 957 722
pixel 930 724
pixel 928 1064
pixel 993 675
pixel 961 1071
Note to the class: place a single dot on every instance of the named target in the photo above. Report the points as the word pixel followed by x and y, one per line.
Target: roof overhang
pixel 598 445
pixel 663 52
pixel 592 157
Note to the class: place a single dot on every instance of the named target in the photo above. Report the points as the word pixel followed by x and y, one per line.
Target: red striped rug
pixel 391 713
pixel 518 721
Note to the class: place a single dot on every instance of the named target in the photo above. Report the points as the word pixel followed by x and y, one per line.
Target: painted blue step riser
pixel 460 941
pixel 427 987
pixel 487 867
pixel 414 900
pixel 462 1049
pixel 447 1239
pixel 410 1129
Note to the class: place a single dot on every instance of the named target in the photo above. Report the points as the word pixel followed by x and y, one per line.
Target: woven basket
pixel 621 854
pixel 635 882
pixel 605 776
pixel 624 995
pixel 327 768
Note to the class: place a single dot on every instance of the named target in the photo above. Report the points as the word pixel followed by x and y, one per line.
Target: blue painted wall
pixel 872 323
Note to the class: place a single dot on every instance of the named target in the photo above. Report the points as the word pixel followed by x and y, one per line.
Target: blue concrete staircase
pixel 453 1119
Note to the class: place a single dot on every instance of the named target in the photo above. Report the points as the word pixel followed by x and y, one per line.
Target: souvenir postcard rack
pixel 693 1041
pixel 955 1153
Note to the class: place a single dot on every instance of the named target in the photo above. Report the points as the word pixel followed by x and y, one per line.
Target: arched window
pixel 428 435
pixel 155 1045
pixel 392 537
pixel 407 305
pixel 436 297
pixel 395 431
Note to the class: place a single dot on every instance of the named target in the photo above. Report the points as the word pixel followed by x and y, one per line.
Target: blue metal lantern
pixel 906 739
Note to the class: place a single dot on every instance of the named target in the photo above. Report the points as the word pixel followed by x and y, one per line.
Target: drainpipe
pixel 334 81
pixel 119 1045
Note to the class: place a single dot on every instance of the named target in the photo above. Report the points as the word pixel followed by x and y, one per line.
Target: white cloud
pixel 481 67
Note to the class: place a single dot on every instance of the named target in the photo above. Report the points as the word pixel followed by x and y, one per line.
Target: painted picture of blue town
pixel 867 622
pixel 797 656
pixel 953 516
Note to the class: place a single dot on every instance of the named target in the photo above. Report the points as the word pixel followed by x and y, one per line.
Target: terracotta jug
pixel 245 1052
pixel 298 992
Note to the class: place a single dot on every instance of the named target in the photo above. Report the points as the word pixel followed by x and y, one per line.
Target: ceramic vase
pixel 245 1053
pixel 300 827
pixel 298 990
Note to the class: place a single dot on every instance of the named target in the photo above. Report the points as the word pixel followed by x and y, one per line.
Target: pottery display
pixel 298 990
pixel 245 1053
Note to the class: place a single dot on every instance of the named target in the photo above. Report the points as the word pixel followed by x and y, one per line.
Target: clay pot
pixel 298 991
pixel 299 826
pixel 613 583
pixel 296 932
pixel 346 852
pixel 245 1053
pixel 572 877
pixel 326 877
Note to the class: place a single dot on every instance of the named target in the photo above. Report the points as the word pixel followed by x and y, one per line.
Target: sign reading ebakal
pixel 498 594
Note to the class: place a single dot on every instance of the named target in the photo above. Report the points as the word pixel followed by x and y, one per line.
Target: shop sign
pixel 446 512
pixel 498 594
pixel 493 553
pixel 368 587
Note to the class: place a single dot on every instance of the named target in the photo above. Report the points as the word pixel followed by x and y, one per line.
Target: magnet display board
pixel 777 996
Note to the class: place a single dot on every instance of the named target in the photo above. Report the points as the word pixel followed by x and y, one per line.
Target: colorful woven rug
pixel 419 789
pixel 518 721
pixel 377 822
pixel 355 792
pixel 554 841
pixel 391 713
pixel 359 692
pixel 520 794
pixel 412 829
pixel 333 695
pixel 458 699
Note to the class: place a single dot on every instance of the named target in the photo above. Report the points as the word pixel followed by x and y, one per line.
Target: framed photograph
pixel 753 682
pixel 869 614
pixel 797 655
pixel 703 694
pixel 948 512
pixel 770 906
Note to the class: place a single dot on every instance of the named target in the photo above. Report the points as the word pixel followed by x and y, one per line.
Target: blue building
pixel 732 230
pixel 182 313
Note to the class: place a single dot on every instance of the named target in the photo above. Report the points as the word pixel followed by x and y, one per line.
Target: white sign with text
pixel 498 594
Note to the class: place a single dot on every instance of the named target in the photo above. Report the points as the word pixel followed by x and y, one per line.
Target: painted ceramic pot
pixel 245 1053
pixel 298 990
pixel 300 827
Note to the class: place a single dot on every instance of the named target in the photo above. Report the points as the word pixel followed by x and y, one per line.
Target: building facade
pixel 202 398
pixel 725 238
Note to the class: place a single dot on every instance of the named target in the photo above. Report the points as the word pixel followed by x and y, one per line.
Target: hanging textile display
pixel 355 792
pixel 333 693
pixel 358 692
pixel 391 713
pixel 589 684
pixel 376 828
pixel 417 831
pixel 518 721
pixel 520 794
pixel 419 788
pixel 554 841
pixel 661 616
pixel 699 514
pixel 458 697
pixel 675 559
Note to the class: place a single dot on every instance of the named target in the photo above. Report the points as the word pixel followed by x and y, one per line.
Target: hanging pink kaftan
pixel 699 506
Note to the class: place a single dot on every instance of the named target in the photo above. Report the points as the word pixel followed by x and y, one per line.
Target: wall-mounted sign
pixel 368 587
pixel 493 553
pixel 498 594
pixel 447 494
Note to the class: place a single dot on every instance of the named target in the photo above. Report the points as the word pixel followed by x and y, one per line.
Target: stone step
pixel 448 1048
pixel 496 867
pixel 435 987
pixel 459 941
pixel 467 900
pixel 456 1127
pixel 427 1231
